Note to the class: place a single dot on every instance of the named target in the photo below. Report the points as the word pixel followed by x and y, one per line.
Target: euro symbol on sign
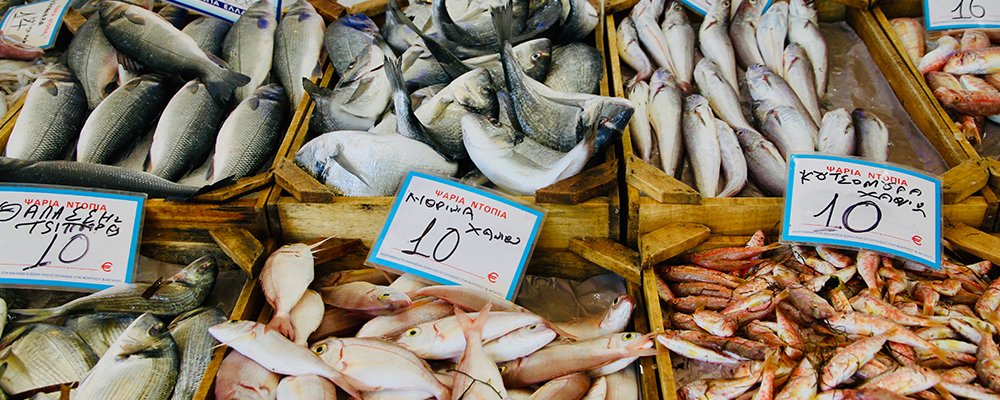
pixel 492 277
pixel 106 267
pixel 917 240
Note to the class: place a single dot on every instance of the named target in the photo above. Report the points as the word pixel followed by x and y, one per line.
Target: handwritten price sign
pixel 455 234
pixel 68 238
pixel 35 24
pixel 961 14
pixel 702 6
pixel 226 10
pixel 849 202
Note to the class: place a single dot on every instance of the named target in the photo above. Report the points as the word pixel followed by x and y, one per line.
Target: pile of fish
pixel 821 323
pixel 506 90
pixel 116 343
pixel 375 337
pixel 201 91
pixel 699 105
pixel 962 68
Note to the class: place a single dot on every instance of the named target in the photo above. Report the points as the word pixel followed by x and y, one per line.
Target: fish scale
pixel 49 121
pixel 121 119
pixel 42 355
pixel 195 345
pixel 142 365
pixel 185 132
pixel 249 134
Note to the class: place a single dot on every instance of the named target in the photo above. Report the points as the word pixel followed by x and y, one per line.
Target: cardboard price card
pixel 853 203
pixel 702 6
pixel 68 238
pixel 455 234
pixel 36 24
pixel 226 10
pixel 961 14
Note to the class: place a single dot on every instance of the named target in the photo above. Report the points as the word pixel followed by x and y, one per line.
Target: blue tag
pixel 226 10
pixel 701 6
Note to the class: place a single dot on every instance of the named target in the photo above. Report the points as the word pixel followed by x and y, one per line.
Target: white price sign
pixel 226 10
pixel 702 6
pixel 455 234
pixel 68 238
pixel 961 14
pixel 35 24
pixel 849 202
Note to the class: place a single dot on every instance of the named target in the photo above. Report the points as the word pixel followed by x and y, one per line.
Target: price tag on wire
pixel 35 24
pixel 68 238
pixel 961 14
pixel 455 234
pixel 849 202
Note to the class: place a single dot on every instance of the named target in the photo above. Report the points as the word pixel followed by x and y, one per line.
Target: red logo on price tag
pixel 106 267
pixel 493 276
pixel 917 239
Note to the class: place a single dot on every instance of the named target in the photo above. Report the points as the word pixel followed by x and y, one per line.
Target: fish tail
pixel 345 383
pixel 473 328
pixel 503 22
pixel 221 83
pixel 939 353
pixel 31 315
pixel 282 324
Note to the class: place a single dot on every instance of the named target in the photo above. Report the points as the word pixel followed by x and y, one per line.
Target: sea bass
pixel 51 118
pixel 249 46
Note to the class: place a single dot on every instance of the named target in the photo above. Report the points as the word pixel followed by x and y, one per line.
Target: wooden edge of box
pixel 629 194
pixel 664 368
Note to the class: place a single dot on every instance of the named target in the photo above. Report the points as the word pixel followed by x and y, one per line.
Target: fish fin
pixel 503 22
pixel 151 290
pixel 315 90
pixel 360 89
pixel 221 83
pixel 450 63
pixel 221 183
pixel 473 326
pixel 338 156
pixel 129 63
pixel 559 331
pixel 282 324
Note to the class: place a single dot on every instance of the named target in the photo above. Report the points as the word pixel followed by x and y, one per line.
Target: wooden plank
pixel 609 255
pixel 244 249
pixel 300 184
pixel 373 7
pixel 666 242
pixel 240 188
pixel 628 213
pixel 328 9
pixel 664 368
pixel 964 180
pixel 974 241
pixel 73 20
pixel 7 123
pixel 596 181
pixel 994 168
pixel 659 186
pixel 641 324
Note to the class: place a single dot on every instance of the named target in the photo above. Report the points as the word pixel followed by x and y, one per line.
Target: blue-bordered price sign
pixel 455 234
pixel 961 14
pixel 36 24
pixel 68 238
pixel 702 6
pixel 853 203
pixel 226 10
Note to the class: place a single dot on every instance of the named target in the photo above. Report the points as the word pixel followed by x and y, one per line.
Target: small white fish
pixel 642 135
pixel 286 275
pixel 306 316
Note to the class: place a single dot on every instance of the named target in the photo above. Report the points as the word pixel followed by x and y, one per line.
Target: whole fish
pixel 713 38
pixel 93 60
pixel 631 52
pixel 100 330
pixel 141 364
pixel 798 72
pixel 976 62
pixel 724 100
pixel 442 339
pixel 734 164
pixel 910 33
pixel 182 292
pixel 872 135
pixel 284 279
pixel 208 33
pixel 622 385
pixel 151 40
pixel 475 365
pixel 791 131
pixel 680 42
pixel 249 46
pixel 575 67
pixel 765 84
pixel 836 133
pixel 242 378
pixel 194 347
pixel 467 298
pixel 11 49
pixel 846 360
pixel 604 323
pixel 519 343
pixel 975 39
pixel 936 59
pixel 40 355
pixel 535 57
pixel 307 316
pixel 348 36
pixel 639 126
pixel 185 132
pixel 766 165
pixel 442 114
pixel 249 134
pixel 581 20
pixel 365 360
pixel 421 311
pixel 121 119
pixel 358 99
pixel 702 144
pixel 53 112
pixel 562 359
pixel 572 386
pixel 743 32
pixel 988 362
pixel 297 45
pixel 305 387
pixel 665 115
pixel 71 173
pixel 771 31
pixel 803 29
pixel 367 297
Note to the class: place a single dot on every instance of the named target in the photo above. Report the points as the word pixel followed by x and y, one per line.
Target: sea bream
pixel 297 45
pixel 250 134
pixel 141 364
pixel 357 100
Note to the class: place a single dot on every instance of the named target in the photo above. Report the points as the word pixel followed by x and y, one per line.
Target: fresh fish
pixel 836 133
pixel 743 32
pixel 397 34
pixel 572 386
pixel 519 343
pixel 421 311
pixel 724 100
pixel 802 382
pixel 702 144
pixel 872 135
pixel 53 112
pixel 771 31
pixel 476 366
pixel 297 45
pixel 441 115
pixel 598 389
pixel 358 100
pixel 91 57
pixel 631 52
pixel 346 38
pixel 208 33
pixel 182 292
pixel 968 102
pixel 766 165
pixel 734 164
pixel 846 360
pixel 604 323
pixel 639 126
pixel 665 113
pixel 306 316
pixel 442 339
pixel 250 134
pixel 420 69
pixel 306 387
pixel 791 131
pixel 975 39
pixel 194 347
pixel 713 38
pixel 680 42
pixel 71 173
pixel 249 46
pixel 145 37
pixel 121 119
pixel 100 330
pixel 803 29
pixel 580 22
pixel 337 322
pixel 242 378
pixel 562 359
pixel 650 35
pixel 141 364
pixel 365 361
pixel 765 84
pixel 407 123
pixel 936 59
pixel 467 298
pixel 976 62
pixel 367 297
pixel 798 73
pixel 356 163
pixel 622 385
pixel 988 362
pixel 185 132
pixel 910 33
pixel 11 49
pixel 40 355
pixel 575 67
pixel 284 279
pixel 175 15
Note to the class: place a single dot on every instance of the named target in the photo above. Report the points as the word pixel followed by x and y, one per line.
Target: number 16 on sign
pixel 961 14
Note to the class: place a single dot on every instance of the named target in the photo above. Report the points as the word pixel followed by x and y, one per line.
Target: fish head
pixel 536 335
pixel 615 116
pixel 329 350
pixel 369 60
pixel 630 340
pixel 271 96
pixel 477 93
pixel 198 272
pixel 58 72
pixel 719 11
pixel 233 330
pixel 146 334
pixel 757 73
pixel 478 128
pixel 390 298
pixel 534 56
pixel 425 336
pixel 261 10
pixel 661 80
pixel 620 312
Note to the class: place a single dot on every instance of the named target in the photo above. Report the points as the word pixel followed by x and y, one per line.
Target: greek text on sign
pixel 702 6
pixel 849 202
pixel 961 14
pixel 35 24
pixel 454 234
pixel 68 238
pixel 226 10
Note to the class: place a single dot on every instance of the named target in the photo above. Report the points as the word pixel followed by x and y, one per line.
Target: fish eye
pixel 533 327
pixel 536 56
pixel 617 300
pixel 486 90
pixel 413 332
pixel 234 321
pixel 319 349
pixel 502 368
pixel 384 296
pixel 154 330
pixel 628 336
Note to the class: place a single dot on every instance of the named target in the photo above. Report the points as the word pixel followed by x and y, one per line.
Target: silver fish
pixel 798 73
pixel 442 114
pixel 151 40
pixel 420 69
pixel 734 164
pixel 297 45
pixel 765 84
pixel 91 57
pixel 702 144
pixel 665 110
pixel 51 118
pixel 836 133
pixel 641 132
pixel 803 29
pixel 743 32
pixel 651 36
pixel 680 41
pixel 581 20
pixel 122 118
pixel 208 33
pixel 194 347
pixel 519 343
pixel 364 359
pixel 249 46
pixel 771 31
pixel 250 134
pixel 348 36
pixel 397 34
pixel 872 135
pixel 725 102
pixel 185 132
pixel 100 330
pixel 713 38
pixel 576 67
pixel 40 355
pixel 72 173
pixel 631 52
pixel 766 165
pixel 141 364
pixel 358 100
pixel 790 131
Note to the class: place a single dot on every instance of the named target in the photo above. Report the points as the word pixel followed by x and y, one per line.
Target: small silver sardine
pixel 872 135
pixel 702 144
pixel 639 128
pixel 836 133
